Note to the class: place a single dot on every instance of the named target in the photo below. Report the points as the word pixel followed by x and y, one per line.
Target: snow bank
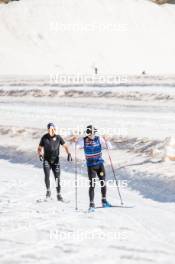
pixel 135 94
pixel 46 37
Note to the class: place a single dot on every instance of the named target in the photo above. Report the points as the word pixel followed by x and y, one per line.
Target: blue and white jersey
pixel 93 150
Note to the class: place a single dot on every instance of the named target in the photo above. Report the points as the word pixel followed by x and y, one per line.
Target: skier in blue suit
pixel 93 145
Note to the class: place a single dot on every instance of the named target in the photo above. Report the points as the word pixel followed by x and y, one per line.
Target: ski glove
pixel 69 157
pixel 41 158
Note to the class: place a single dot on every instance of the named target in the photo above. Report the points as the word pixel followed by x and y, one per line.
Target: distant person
pixel 96 70
pixel 48 152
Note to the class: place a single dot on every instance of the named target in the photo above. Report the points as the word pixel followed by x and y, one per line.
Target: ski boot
pixel 48 194
pixel 59 197
pixel 91 208
pixel 106 204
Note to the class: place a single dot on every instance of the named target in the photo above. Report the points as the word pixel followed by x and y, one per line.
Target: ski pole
pixel 76 187
pixel 110 159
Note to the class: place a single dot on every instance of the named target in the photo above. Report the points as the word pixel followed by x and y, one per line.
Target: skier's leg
pixel 102 177
pixel 46 168
pixel 56 172
pixel 92 178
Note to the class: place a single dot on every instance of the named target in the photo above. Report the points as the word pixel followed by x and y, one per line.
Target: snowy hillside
pixel 127 36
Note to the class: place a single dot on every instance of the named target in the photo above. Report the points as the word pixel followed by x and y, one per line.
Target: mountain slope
pixel 126 36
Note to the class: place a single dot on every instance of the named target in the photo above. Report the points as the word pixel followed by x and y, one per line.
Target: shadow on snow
pixel 150 186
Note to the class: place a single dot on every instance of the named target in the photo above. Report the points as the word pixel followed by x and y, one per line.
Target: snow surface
pixel 52 232
pixel 56 36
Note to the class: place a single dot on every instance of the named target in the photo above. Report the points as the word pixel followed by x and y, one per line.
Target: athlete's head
pixel 90 131
pixel 51 129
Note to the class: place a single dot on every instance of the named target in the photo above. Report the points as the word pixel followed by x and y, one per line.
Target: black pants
pixel 98 170
pixel 55 167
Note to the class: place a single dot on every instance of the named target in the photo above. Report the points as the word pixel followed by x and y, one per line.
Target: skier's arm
pixel 80 143
pixel 40 150
pixel 69 156
pixel 105 143
pixel 65 146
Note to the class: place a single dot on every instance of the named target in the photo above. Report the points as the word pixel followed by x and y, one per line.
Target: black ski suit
pixel 51 147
